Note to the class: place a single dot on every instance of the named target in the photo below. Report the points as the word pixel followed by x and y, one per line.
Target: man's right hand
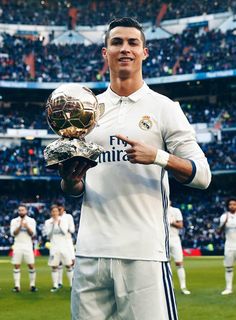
pixel 72 173
pixel 22 222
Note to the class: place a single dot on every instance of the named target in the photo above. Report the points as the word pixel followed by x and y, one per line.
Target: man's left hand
pixel 139 152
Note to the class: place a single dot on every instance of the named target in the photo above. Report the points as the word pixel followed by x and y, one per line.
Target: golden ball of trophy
pixel 72 111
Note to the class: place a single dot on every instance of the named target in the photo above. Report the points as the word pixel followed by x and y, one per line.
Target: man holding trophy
pixel 122 260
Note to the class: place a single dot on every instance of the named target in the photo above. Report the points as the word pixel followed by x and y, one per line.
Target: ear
pixel 104 53
pixel 145 53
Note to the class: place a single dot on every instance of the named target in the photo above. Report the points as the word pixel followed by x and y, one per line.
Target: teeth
pixel 125 59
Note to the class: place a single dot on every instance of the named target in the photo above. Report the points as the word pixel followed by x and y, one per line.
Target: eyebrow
pixel 129 39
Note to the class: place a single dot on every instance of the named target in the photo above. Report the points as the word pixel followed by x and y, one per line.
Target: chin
pixel 124 74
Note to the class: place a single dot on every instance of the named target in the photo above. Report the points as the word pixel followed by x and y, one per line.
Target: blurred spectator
pixel 221 155
pixel 97 12
pixel 22 116
pixel 39 209
pixel 204 112
pixel 201 212
pixel 190 52
pixel 27 159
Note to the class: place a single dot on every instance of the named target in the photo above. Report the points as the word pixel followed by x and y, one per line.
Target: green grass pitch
pixel 205 279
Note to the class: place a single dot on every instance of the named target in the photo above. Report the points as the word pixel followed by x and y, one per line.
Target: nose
pixel 125 47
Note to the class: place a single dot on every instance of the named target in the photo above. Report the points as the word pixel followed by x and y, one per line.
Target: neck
pixel 125 87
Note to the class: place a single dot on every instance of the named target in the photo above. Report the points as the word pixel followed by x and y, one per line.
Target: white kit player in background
pixel 71 230
pixel 56 229
pixel 176 224
pixel 23 228
pixel 228 225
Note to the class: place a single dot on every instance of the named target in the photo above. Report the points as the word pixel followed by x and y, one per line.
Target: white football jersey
pixel 71 230
pixel 230 230
pixel 174 215
pixel 124 211
pixel 23 240
pixel 57 234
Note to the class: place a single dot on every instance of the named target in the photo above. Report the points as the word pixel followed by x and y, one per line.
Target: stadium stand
pixel 39 209
pixel 17 116
pixel 201 218
pixel 32 116
pixel 195 50
pixel 27 159
pixel 95 12
pixel 188 53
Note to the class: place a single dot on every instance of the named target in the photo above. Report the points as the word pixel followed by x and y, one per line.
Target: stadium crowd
pixel 201 218
pixel 201 212
pixel 39 209
pixel 96 12
pixel 186 53
pixel 204 112
pixel 22 160
pixel 27 159
pixel 32 116
pixel 22 116
pixel 191 52
pixel 221 155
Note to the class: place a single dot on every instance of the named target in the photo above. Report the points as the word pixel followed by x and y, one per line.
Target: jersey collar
pixel 134 97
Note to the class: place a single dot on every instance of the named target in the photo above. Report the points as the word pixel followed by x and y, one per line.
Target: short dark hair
pixel 124 22
pixel 22 205
pixel 230 199
pixel 60 203
pixel 53 206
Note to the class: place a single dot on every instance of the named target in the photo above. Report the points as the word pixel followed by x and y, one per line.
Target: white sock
pixel 60 274
pixel 16 276
pixel 55 278
pixel 181 276
pixel 32 276
pixel 70 273
pixel 229 278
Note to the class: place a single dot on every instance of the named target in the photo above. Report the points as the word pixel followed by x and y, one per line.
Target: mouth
pixel 125 59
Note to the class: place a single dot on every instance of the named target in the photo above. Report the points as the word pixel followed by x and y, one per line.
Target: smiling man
pixel 125 51
pixel 122 259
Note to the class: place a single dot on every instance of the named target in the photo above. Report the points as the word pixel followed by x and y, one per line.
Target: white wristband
pixel 162 158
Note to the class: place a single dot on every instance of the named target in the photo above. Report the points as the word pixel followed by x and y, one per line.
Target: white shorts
pixel 229 258
pixel 20 255
pixel 56 257
pixel 176 250
pixel 122 289
pixel 72 250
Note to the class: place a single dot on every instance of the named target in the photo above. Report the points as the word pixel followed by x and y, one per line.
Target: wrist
pixel 162 158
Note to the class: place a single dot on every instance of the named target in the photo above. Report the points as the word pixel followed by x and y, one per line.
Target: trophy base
pixel 65 150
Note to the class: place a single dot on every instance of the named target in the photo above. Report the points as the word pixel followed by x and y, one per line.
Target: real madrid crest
pixel 145 123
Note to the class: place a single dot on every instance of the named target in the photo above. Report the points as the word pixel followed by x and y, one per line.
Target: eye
pixel 134 42
pixel 115 42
